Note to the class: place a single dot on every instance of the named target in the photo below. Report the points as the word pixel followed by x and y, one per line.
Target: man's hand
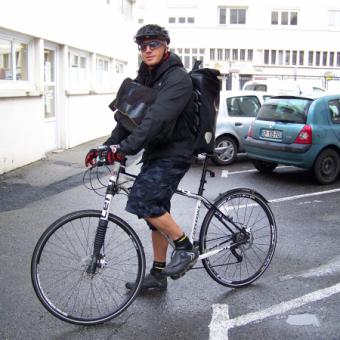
pixel 91 156
pixel 107 154
pixel 112 154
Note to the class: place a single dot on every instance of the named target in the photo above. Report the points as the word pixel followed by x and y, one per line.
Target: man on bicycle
pixel 166 135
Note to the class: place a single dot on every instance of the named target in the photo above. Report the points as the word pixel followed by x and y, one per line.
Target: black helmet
pixel 152 31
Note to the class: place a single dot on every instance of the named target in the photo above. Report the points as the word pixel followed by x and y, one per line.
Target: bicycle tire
pixel 241 265
pixel 60 259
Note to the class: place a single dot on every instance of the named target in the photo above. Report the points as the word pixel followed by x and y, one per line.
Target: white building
pixel 62 60
pixel 60 64
pixel 252 39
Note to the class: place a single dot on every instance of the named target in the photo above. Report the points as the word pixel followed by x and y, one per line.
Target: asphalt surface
pixel 297 297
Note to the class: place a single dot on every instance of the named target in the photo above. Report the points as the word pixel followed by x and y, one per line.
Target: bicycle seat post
pixel 203 175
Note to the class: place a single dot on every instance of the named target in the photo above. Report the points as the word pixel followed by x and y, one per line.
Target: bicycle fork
pixel 97 259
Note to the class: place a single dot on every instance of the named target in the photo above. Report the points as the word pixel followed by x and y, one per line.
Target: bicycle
pixel 82 261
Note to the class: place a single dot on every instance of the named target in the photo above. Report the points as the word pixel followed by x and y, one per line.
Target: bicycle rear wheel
pixel 60 260
pixel 248 250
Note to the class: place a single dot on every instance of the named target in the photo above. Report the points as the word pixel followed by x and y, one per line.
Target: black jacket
pixel 166 129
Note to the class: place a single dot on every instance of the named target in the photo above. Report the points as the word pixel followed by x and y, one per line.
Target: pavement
pixel 47 176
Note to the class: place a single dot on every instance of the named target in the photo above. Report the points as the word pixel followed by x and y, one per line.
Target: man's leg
pixel 155 279
pixel 167 225
pixel 185 255
pixel 160 246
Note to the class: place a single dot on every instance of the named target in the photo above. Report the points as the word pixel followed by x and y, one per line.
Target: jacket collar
pixel 149 77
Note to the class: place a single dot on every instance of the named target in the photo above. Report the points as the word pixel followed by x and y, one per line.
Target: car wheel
pixel 327 166
pixel 228 156
pixel 263 166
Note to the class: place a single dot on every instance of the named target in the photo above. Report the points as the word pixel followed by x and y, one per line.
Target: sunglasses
pixel 153 44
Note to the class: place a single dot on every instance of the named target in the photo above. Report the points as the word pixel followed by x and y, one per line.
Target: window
pixel 190 55
pixel 317 58
pixel 250 55
pixel 334 108
pixel 293 18
pixel 334 18
pixel 284 18
pixel 219 54
pixel 266 57
pixel 13 60
pixel 324 58
pixel 227 54
pixel 275 18
pixel 243 106
pixel 49 95
pixel 124 7
pixel 222 16
pixel 236 16
pixel 338 59
pixel 181 20
pixel 273 57
pixel 331 58
pixel 103 71
pixel 287 58
pixel 212 54
pixel 140 21
pixel 310 58
pixel 187 61
pixel 235 54
pixel 119 67
pixel 280 57
pixel 294 57
pixel 242 55
pixel 78 70
pixel 301 57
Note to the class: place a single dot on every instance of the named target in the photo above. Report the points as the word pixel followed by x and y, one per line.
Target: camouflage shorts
pixel 153 188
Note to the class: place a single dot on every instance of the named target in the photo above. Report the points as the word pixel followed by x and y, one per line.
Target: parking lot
pixel 297 297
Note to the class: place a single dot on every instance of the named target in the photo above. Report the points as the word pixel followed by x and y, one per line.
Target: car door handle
pixel 238 124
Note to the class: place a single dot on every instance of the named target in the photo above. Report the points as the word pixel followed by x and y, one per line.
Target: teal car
pixel 298 131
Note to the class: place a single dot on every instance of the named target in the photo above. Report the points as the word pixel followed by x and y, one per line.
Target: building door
pixel 50 133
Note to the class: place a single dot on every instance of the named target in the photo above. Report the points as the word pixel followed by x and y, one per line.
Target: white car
pixel 284 87
pixel 236 112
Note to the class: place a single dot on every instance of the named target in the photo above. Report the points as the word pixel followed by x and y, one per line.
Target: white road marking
pixel 226 173
pixel 219 315
pixel 222 321
pixel 317 193
pixel 326 269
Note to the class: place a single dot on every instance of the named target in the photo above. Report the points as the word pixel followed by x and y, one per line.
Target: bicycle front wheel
pixel 62 256
pixel 247 234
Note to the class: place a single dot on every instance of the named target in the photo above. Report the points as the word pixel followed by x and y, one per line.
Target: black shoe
pixel 153 280
pixel 182 260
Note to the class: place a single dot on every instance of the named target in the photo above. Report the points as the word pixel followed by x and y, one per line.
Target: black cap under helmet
pixel 152 31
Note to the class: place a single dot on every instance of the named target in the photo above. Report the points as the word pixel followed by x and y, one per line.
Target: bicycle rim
pixel 245 259
pixel 59 263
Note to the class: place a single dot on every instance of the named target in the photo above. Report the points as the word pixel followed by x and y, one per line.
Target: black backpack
pixel 207 99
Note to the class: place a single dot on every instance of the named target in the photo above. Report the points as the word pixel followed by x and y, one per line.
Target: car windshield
pixel 256 87
pixel 292 110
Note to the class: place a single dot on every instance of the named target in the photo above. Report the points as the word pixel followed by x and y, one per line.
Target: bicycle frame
pixel 114 187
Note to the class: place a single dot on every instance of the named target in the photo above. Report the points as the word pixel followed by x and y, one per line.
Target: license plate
pixel 274 134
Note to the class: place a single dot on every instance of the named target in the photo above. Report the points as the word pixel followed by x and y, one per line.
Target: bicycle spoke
pixel 61 278
pixel 250 239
